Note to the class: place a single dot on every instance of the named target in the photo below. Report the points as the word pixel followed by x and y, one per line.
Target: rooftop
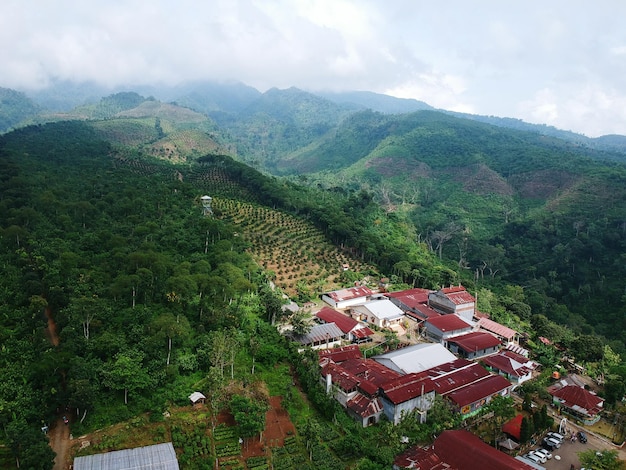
pixel 416 358
pixel 155 457
pixel 349 293
pixel 450 322
pixel 475 341
pixel 344 322
pixel 488 386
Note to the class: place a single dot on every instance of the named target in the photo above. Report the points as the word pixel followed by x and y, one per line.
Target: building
pixel 468 400
pixel 382 313
pixel 474 345
pixel 159 456
pixel 353 330
pixel 414 303
pixel 514 367
pixel 577 401
pixel 444 327
pixel 406 394
pixel 506 334
pixel 326 336
pixel 453 300
pixel 349 297
pixel 417 358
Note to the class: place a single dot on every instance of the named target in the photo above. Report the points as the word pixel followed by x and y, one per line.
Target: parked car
pixel 550 443
pixel 582 437
pixel 532 458
pixel 543 451
pixel 542 458
pixel 556 435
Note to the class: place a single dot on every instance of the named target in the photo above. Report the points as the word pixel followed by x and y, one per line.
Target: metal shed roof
pixel 155 457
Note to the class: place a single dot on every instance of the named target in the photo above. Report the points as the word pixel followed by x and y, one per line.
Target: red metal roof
pixel 371 371
pixel 416 458
pixel 448 322
pixel 344 322
pixel 350 293
pixel 573 396
pixel 362 332
pixel 407 387
pixel 460 378
pixel 340 377
pixel 478 390
pixel 494 327
pixel 475 341
pixel 507 364
pixel 340 354
pixel 464 451
pixel 411 297
pixel 365 406
pixel 513 427
pixel 458 295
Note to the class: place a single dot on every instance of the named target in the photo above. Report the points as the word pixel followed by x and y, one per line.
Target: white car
pixel 542 458
pixel 532 457
pixel 545 452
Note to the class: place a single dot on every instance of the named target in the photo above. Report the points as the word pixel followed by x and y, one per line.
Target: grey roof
pixel 327 331
pixel 417 358
pixel 155 457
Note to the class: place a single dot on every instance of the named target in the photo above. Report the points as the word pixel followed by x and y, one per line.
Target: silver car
pixel 545 452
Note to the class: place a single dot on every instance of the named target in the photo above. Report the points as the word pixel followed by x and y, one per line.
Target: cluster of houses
pixel 462 355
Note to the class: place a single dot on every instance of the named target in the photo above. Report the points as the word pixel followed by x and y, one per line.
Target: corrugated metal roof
pixel 320 333
pixel 383 309
pixel 573 395
pixel 460 378
pixel 340 354
pixel 417 358
pixel 407 387
pixel 155 457
pixel 494 327
pixel 478 390
pixel 350 293
pixel 344 322
pixel 448 322
pixel 475 341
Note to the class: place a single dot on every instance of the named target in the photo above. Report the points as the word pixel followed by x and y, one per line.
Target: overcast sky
pixel 558 62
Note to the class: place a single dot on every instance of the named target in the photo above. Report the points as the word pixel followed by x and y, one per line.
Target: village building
pixel 349 297
pixel 339 355
pixel 468 400
pixel 514 367
pixel 353 331
pixel 474 345
pixel 506 334
pixel 326 336
pixel 406 394
pixel 453 300
pixel 161 456
pixel 577 401
pixel 442 328
pixel 416 358
pixel 381 313
pixel 197 398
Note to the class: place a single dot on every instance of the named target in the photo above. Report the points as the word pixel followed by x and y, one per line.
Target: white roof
pixel 195 396
pixel 156 457
pixel 417 358
pixel 383 309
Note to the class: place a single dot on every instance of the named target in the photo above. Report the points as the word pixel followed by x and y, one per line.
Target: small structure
pixel 354 331
pixel 207 210
pixel 474 345
pixel 382 313
pixel 506 334
pixel 453 300
pixel 578 402
pixel 515 367
pixel 159 456
pixel 444 327
pixel 326 336
pixel 344 298
pixel 197 398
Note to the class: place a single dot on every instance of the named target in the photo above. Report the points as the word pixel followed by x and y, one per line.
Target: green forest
pixel 120 297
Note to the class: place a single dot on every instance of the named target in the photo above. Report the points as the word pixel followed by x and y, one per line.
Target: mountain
pixel 361 100
pixel 15 108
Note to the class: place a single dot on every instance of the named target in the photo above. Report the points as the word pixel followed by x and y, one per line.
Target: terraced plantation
pixel 293 249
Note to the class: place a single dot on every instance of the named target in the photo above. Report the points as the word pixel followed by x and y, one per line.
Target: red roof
pixel 491 385
pixel 463 450
pixel 475 341
pixel 362 332
pixel 344 322
pixel 411 297
pixel 370 370
pixel 416 458
pixel 350 293
pixel 458 295
pixel 340 354
pixel 448 322
pixel 365 406
pixel 497 328
pixel 514 427
pixel 575 397
pixel 460 378
pixel 504 363
pixel 407 387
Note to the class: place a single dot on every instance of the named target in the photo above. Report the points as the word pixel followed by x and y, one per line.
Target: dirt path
pixel 59 433
pixel 59 436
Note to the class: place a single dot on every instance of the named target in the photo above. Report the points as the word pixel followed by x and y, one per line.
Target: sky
pixel 555 62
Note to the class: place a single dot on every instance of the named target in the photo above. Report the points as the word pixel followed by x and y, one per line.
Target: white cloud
pixel 559 62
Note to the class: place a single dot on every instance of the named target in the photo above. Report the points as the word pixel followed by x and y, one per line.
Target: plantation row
pixel 291 248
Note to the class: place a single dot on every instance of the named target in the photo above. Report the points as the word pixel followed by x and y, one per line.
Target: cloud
pixel 560 62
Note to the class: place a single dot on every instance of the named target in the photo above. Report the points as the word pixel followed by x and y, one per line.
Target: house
pixel 196 398
pixel 453 300
pixel 443 327
pixel 345 298
pixel 161 456
pixel 405 394
pixel 456 379
pixel 414 303
pixel 515 367
pixel 382 313
pixel 416 358
pixel 354 331
pixel 577 401
pixel 339 355
pixel 468 400
pixel 474 344
pixel 458 450
pixel 326 336
pixel 506 335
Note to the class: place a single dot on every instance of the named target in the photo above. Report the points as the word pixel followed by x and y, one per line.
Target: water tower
pixel 206 205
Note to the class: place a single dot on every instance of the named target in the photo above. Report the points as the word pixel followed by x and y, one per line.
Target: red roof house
pixel 579 402
pixel 353 330
pixel 445 326
pixel 347 297
pixel 513 427
pixel 453 300
pixel 473 345
pixel 471 398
